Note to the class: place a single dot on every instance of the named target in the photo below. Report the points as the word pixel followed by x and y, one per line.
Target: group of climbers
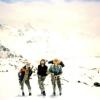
pixel 55 70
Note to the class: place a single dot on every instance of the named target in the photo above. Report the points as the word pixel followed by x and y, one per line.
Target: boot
pixel 23 94
pixel 44 94
pixel 30 94
pixel 54 93
pixel 60 93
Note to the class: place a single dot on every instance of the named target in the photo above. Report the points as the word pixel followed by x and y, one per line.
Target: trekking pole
pixel 64 79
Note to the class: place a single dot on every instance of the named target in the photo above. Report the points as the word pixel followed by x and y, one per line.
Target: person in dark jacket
pixel 60 62
pixel 42 73
pixel 24 77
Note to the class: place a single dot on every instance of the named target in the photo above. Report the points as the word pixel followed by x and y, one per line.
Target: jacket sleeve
pixel 46 71
pixel 38 70
pixel 60 70
pixel 46 68
pixel 30 73
pixel 50 62
pixel 62 64
pixel 20 75
pixel 50 69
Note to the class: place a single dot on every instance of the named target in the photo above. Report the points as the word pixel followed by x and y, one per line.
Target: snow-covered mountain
pixel 37 43
pixel 9 59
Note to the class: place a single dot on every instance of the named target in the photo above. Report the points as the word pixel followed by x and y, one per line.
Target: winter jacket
pixel 61 63
pixel 56 70
pixel 42 71
pixel 21 74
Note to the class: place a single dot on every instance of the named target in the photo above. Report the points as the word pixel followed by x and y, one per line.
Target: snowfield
pixel 72 89
pixel 10 90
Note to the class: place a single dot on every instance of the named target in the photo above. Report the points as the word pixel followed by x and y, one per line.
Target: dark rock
pixel 96 84
pixel 29 41
pixel 6 70
pixel 79 81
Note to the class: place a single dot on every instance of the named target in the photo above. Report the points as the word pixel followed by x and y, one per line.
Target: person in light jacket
pixel 56 71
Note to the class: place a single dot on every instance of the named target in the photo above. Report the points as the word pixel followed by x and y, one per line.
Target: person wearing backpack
pixel 24 78
pixel 42 73
pixel 56 71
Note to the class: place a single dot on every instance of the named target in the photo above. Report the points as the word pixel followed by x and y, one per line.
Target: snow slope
pixel 9 89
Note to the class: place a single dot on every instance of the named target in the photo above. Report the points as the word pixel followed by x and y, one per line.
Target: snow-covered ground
pixel 10 89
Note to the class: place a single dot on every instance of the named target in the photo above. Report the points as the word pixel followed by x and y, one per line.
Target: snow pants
pixel 41 80
pixel 27 82
pixel 56 80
